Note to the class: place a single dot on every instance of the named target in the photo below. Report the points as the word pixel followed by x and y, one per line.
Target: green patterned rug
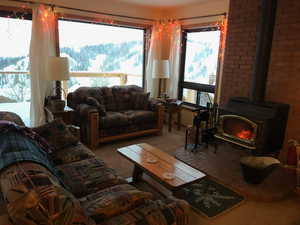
pixel 211 198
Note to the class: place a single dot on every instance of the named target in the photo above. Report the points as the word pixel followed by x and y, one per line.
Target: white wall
pixel 116 7
pixel 106 6
pixel 203 8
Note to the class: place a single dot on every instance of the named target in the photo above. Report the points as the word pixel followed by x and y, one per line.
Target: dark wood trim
pixel 15 12
pixel 199 25
pixel 191 85
pixel 85 19
pixel 199 87
pixel 202 29
pixel 182 64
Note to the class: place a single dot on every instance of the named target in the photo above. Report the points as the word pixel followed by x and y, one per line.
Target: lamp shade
pixel 161 69
pixel 58 68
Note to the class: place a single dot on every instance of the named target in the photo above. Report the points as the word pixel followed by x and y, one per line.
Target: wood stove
pixel 259 127
pixel 238 129
pixel 251 122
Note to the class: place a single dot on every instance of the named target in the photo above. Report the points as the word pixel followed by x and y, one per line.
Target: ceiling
pixel 162 3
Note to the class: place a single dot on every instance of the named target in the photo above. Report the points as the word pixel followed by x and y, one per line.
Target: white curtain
pixel 154 53
pixel 42 46
pixel 165 44
pixel 174 58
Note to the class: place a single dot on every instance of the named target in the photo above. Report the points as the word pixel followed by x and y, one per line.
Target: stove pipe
pixel 264 37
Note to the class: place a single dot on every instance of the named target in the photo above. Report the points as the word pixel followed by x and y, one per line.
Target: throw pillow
pixel 140 100
pixel 94 102
pixel 113 201
pixel 88 176
pixel 57 134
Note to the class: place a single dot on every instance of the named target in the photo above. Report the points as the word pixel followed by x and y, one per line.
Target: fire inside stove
pixel 245 134
pixel 237 127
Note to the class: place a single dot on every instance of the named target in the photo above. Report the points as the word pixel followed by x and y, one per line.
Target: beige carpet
pixel 283 212
pixel 224 166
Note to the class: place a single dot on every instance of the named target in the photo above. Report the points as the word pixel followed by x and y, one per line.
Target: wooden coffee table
pixel 157 163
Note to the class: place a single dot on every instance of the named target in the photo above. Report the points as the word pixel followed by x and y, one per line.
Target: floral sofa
pixel 82 190
pixel 110 113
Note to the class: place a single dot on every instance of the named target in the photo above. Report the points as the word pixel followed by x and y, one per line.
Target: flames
pixel 245 134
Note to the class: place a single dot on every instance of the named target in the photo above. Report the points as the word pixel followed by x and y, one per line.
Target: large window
pixel 199 64
pixel 102 55
pixel 15 35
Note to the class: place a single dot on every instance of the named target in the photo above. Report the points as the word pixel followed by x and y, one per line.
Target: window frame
pixel 90 20
pixel 198 87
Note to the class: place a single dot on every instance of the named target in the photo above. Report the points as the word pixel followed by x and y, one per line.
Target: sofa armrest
pixel 84 111
pixel 89 124
pixel 153 104
pixel 153 213
pixel 74 130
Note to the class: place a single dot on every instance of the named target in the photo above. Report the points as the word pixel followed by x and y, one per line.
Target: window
pixel 15 35
pixel 102 55
pixel 199 64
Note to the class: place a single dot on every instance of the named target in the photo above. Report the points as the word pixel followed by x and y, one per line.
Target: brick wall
pixel 283 83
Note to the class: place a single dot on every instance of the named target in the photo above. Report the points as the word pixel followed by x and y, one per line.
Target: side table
pixel 67 115
pixel 172 106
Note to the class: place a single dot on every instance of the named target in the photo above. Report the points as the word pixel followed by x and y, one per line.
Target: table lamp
pixel 161 71
pixel 58 70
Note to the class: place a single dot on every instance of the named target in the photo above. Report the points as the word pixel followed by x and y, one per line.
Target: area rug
pixel 211 198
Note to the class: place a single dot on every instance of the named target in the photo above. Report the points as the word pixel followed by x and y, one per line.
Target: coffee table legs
pixel 137 173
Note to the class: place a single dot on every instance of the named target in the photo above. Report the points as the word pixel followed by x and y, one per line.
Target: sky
pixel 15 35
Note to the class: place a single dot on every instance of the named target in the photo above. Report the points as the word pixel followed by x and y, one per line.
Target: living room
pixel 250 59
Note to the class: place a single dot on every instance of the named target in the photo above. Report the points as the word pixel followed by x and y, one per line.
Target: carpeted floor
pixel 283 212
pixel 225 167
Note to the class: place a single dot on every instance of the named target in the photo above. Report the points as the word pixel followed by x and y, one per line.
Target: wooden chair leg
pixel 186 139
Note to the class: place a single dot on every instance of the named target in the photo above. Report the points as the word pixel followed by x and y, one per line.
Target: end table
pixel 172 106
pixel 67 115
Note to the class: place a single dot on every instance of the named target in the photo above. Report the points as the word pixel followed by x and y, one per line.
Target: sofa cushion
pixel 80 95
pixel 113 201
pixel 57 134
pixel 72 154
pixel 122 96
pixel 114 119
pixel 99 105
pixel 88 176
pixel 34 196
pixel 140 100
pixel 140 116
pixel 109 99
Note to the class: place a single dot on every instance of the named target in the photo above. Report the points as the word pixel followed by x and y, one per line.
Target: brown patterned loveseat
pixel 110 113
pixel 83 190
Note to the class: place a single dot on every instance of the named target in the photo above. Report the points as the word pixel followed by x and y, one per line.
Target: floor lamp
pixel 58 70
pixel 161 71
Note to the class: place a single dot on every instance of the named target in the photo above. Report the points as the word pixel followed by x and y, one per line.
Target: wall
pixel 284 73
pixel 105 6
pixel 202 8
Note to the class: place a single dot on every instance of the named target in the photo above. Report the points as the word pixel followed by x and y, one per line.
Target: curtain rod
pixel 205 16
pixel 110 14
